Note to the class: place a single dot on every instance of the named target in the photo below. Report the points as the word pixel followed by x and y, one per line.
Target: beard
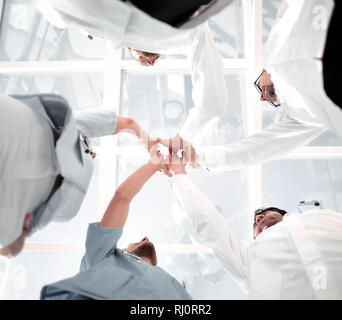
pixel 148 251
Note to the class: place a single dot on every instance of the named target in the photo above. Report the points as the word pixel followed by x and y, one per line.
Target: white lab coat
pixel 292 57
pixel 30 161
pixel 125 25
pixel 28 165
pixel 298 258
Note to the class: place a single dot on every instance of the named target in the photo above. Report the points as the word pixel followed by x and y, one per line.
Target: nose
pixel 258 218
pixel 151 61
pixel 144 239
pixel 262 95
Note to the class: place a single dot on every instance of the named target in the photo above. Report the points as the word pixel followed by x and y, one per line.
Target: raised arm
pixel 209 92
pixel 102 121
pixel 130 126
pixel 276 141
pixel 117 211
pixel 211 227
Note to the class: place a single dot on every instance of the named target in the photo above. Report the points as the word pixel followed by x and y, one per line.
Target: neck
pixel 147 260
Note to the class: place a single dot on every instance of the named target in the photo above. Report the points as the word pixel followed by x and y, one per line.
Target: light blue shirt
pixel 107 272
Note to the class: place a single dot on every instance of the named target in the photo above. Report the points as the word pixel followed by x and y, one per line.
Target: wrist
pixel 154 166
pixel 179 171
pixel 131 125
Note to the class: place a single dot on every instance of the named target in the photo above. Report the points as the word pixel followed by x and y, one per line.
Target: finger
pixel 153 149
pixel 170 173
pixel 186 154
pixel 166 169
pixel 194 165
pixel 166 172
pixel 168 160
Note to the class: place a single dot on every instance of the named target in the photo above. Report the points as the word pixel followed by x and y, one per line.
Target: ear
pixel 27 222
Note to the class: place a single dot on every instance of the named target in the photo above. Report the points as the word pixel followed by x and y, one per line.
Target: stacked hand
pixel 177 145
pixel 159 161
pixel 176 165
pixel 152 143
pixel 180 151
pixel 178 154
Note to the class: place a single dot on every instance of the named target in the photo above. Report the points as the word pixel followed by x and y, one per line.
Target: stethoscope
pixel 87 146
pixel 315 203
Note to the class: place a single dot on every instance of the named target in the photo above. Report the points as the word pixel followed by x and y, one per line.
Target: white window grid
pixel 112 67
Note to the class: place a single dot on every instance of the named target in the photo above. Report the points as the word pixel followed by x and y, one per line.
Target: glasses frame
pixel 275 105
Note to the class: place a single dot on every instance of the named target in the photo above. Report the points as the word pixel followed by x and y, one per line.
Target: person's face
pixel 267 88
pixel 133 246
pixel 144 249
pixel 266 219
pixel 145 58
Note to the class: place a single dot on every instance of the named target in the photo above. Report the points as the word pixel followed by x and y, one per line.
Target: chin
pixel 147 250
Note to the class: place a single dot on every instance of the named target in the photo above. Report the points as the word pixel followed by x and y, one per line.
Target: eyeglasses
pixel 260 91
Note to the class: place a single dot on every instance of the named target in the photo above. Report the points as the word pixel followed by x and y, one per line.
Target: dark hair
pixel 147 250
pixel 263 210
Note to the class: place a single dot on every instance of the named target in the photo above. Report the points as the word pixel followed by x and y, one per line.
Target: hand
pixel 176 165
pixel 152 141
pixel 158 161
pixel 149 141
pixel 177 144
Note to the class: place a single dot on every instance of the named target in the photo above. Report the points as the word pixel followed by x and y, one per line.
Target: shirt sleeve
pixel 274 142
pixel 209 92
pixel 212 228
pixel 100 18
pixel 99 242
pixel 97 122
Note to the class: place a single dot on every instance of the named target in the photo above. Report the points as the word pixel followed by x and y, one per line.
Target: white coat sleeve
pixel 209 92
pixel 96 122
pixel 274 142
pixel 100 18
pixel 212 228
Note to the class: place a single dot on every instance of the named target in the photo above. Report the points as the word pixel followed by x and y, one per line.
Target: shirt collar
pixel 132 255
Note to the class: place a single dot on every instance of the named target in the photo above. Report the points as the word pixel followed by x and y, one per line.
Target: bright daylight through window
pixel 37 57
